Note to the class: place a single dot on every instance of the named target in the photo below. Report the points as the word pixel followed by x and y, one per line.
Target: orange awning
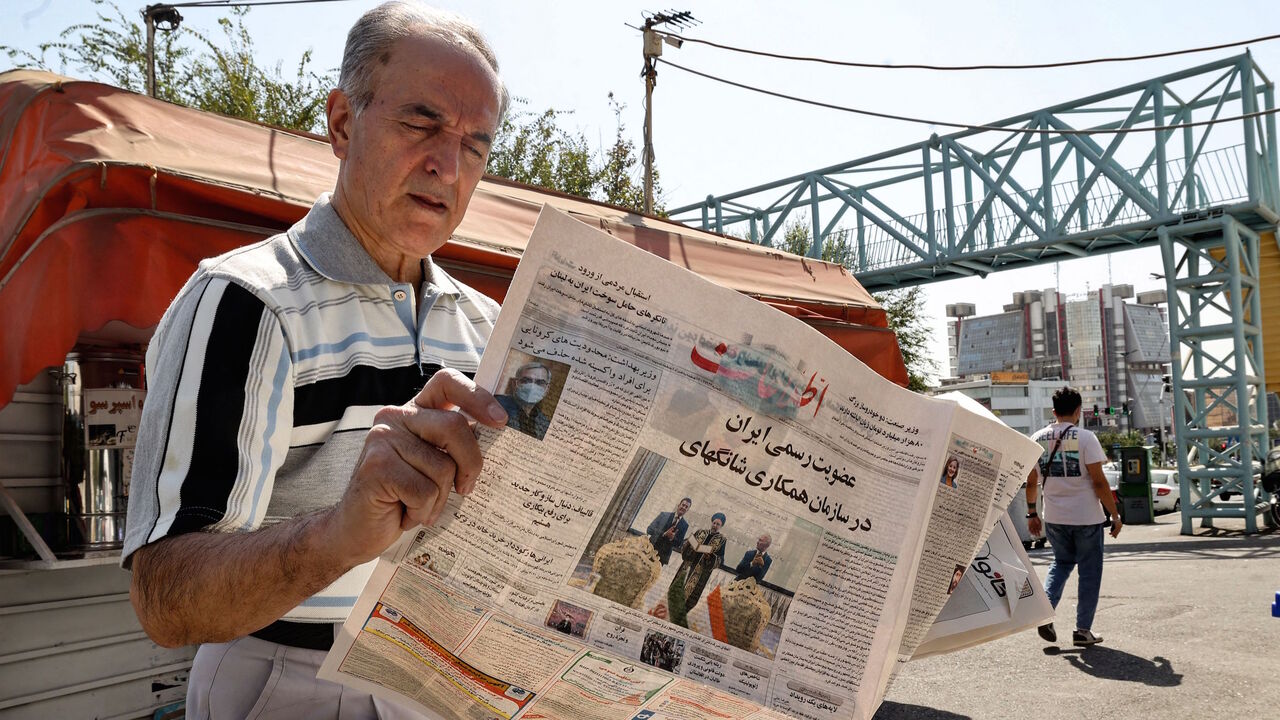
pixel 110 199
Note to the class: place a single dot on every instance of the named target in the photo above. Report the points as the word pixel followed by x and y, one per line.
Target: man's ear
pixel 340 115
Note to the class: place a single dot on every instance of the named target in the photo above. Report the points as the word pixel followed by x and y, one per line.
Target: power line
pixel 921 66
pixel 244 3
pixel 966 126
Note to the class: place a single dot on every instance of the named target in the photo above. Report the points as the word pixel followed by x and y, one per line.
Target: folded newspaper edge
pixel 825 515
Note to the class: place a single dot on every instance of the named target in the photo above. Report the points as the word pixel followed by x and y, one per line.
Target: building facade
pixel 1114 352
pixel 1021 403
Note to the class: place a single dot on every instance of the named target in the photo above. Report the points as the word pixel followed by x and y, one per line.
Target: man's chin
pixel 424 238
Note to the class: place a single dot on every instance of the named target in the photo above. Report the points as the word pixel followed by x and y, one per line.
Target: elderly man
pixel 303 390
pixel 524 398
pixel 755 563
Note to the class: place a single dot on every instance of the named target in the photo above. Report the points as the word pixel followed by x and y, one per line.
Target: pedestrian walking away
pixel 1075 496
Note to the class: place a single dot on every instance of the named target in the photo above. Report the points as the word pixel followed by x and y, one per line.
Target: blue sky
pixel 710 139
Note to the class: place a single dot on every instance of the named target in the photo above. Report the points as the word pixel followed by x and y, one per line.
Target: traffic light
pixel 1124 408
pixel 1168 383
pixel 1111 410
pixel 1095 411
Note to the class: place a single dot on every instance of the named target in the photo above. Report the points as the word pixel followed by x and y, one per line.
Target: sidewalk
pixel 1188 628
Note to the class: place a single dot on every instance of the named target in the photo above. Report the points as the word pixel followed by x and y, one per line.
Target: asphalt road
pixel 1188 634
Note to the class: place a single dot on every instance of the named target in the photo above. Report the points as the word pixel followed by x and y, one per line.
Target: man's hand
pixel 414 455
pixel 670 534
pixel 1116 525
pixel 1034 526
pixel 194 587
pixel 758 560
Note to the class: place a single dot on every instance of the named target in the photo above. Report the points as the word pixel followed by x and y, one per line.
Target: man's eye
pixel 474 149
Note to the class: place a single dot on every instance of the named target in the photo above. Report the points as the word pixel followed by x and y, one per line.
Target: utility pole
pixel 653 40
pixel 168 18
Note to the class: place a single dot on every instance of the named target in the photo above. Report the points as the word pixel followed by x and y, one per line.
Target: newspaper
pixel 998 577
pixel 544 593
pixel 1000 595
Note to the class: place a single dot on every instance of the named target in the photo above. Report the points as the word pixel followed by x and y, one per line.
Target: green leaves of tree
pixel 535 149
pixel 909 321
pixel 904 308
pixel 217 74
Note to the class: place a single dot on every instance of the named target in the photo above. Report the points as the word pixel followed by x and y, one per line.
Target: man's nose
pixel 443 157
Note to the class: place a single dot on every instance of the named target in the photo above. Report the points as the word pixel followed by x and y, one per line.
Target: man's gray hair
pixel 532 366
pixel 370 40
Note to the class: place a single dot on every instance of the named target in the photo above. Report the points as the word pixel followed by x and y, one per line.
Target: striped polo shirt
pixel 265 374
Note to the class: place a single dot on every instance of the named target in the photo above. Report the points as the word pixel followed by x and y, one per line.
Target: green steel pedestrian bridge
pixel 1187 161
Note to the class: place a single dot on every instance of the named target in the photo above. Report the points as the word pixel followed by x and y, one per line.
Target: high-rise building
pixel 1114 352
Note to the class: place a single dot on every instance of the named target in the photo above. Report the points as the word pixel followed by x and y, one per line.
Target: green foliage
pixel 219 73
pixel 797 239
pixel 191 68
pixel 226 79
pixel 535 149
pixel 908 320
pixel 904 308
pixel 532 148
pixel 1110 438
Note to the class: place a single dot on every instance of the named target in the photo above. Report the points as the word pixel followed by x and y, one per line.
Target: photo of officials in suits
pixel 698 536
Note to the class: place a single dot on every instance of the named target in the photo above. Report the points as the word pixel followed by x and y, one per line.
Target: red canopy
pixel 110 199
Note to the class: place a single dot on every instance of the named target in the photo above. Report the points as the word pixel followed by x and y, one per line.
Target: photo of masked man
pixel 523 400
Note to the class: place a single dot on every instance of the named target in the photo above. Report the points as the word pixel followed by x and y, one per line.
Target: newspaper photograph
pixel 700 507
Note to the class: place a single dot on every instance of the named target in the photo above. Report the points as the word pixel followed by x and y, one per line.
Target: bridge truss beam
pixel 1191 165
pixel 1043 188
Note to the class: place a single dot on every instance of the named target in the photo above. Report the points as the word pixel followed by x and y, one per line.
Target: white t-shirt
pixel 1068 490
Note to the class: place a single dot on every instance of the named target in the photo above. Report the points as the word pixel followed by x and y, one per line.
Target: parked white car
pixel 1165 494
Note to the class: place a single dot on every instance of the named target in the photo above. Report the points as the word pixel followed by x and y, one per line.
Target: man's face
pixel 412 158
pixel 536 377
pixel 682 508
pixel 715 524
pixel 763 543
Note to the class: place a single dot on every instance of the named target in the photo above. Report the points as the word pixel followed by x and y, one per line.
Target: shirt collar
pixel 328 245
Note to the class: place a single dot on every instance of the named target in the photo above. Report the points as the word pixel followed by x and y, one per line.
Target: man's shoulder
pixel 1087 436
pixel 264 268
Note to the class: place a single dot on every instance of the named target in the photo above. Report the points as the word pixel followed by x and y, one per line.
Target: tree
pixel 904 308
pixel 533 148
pixel 219 73
pixel 907 318
pixel 191 68
pixel 1109 439
pixel 797 239
pixel 617 178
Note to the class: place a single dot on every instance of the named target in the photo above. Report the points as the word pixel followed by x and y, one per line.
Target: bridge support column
pixel 1219 403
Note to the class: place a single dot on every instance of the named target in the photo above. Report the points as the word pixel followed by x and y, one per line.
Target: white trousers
pixel 251 678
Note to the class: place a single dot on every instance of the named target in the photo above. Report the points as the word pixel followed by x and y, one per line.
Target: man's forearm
pixel 214 587
pixel 1103 490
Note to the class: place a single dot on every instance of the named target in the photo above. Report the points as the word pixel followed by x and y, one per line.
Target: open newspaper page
pixel 996 592
pixel 714 511
pixel 999 595
pixel 982 461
